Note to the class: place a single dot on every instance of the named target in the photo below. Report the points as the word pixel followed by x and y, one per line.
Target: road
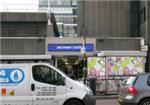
pixel 106 102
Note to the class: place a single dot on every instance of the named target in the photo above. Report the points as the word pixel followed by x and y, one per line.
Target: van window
pixel 129 80
pixel 148 81
pixel 44 74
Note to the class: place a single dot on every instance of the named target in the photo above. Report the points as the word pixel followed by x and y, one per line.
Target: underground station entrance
pixel 71 66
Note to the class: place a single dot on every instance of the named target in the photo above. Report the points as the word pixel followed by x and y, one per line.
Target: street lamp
pixel 83 51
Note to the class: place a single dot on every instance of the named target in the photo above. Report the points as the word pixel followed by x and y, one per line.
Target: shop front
pixel 109 68
pixel 67 55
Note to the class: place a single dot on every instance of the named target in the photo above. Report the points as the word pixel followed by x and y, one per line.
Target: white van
pixel 40 84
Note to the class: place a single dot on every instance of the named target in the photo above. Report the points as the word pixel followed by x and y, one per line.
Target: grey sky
pixel 18 5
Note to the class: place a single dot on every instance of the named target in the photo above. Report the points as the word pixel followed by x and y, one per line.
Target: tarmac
pixel 106 97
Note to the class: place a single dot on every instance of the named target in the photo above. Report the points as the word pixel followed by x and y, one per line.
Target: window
pixel 47 75
pixel 43 3
pixel 148 81
pixel 129 80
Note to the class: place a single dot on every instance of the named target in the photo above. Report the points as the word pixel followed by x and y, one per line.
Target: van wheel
pixel 145 102
pixel 73 102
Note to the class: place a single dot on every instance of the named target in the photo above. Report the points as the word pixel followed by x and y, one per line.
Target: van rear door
pixel 47 85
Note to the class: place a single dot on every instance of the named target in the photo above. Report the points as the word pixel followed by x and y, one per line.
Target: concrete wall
pixel 23 17
pixel 23 24
pixel 23 29
pixel 23 33
pixel 104 18
pixel 21 46
pixel 118 44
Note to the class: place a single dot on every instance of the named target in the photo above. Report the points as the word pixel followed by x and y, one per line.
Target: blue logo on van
pixel 11 76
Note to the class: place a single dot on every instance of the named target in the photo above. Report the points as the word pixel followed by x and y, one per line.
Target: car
pixel 135 90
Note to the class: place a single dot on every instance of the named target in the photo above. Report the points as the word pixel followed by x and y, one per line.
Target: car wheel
pixel 73 102
pixel 145 102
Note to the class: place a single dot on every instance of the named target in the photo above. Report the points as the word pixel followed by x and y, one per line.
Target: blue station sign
pixel 70 47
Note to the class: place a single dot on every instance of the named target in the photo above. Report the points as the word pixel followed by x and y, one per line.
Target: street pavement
pixel 106 102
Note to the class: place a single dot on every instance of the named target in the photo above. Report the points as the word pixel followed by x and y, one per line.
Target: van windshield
pixel 129 80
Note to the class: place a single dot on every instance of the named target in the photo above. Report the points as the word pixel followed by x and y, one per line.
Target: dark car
pixel 135 90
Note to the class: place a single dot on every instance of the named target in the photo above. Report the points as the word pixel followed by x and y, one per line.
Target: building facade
pixel 107 26
pixel 23 33
pixel 102 18
pixel 145 25
pixel 65 12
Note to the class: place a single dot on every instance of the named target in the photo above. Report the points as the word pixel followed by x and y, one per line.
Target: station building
pixel 106 28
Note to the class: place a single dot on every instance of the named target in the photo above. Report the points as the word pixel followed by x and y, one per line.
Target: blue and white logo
pixel 11 76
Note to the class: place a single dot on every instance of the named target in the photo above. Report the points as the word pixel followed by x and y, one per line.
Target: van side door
pixel 47 86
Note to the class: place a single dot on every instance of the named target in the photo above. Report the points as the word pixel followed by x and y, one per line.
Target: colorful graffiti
pixel 110 71
pixel 96 67
pixel 113 85
pixel 125 65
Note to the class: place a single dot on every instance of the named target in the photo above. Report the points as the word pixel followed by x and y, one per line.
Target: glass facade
pixel 65 13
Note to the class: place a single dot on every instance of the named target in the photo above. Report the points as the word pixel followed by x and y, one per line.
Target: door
pixel 47 86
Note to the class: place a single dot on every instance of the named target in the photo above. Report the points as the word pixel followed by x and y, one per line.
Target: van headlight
pixel 88 90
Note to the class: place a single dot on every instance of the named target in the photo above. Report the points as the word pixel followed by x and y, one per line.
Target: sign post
pixel 84 52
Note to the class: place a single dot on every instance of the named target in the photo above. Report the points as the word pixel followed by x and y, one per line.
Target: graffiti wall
pixel 110 71
pixel 96 67
pixel 125 65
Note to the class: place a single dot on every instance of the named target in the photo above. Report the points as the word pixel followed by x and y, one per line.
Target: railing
pixel 67 30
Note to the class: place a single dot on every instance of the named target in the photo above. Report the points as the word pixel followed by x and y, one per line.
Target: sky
pixel 19 1
pixel 18 5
